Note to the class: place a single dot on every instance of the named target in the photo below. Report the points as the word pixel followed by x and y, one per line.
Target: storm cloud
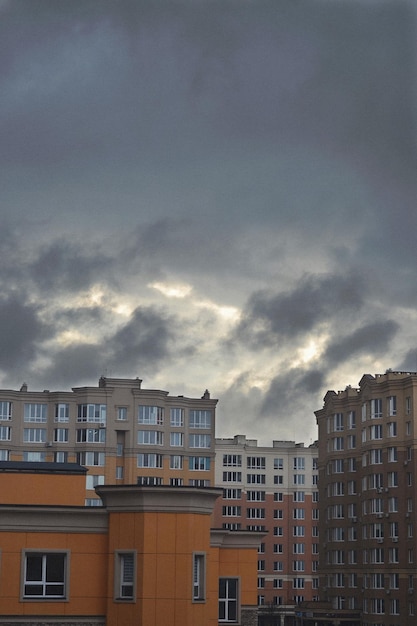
pixel 209 194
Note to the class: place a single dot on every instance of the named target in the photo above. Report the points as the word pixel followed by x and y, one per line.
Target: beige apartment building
pixel 367 485
pixel 273 489
pixel 122 433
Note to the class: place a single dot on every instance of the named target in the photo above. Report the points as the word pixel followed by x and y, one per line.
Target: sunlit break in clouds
pixel 210 194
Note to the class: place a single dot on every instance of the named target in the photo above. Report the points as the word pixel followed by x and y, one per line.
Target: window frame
pixel 198 577
pixel 119 580
pixel 227 601
pixel 44 553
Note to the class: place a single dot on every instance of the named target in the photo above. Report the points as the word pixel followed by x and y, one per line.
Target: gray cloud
pixel 65 266
pixel 271 318
pixel 373 338
pixel 21 332
pixel 262 153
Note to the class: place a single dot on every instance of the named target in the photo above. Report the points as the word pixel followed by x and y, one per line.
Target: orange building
pixel 148 556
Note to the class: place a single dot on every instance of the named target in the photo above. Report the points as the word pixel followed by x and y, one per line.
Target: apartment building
pixel 274 490
pixel 122 433
pixel 367 485
pixel 147 556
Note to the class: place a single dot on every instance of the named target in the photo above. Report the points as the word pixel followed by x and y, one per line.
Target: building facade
pixel 124 434
pixel 367 484
pixel 274 490
pixel 147 556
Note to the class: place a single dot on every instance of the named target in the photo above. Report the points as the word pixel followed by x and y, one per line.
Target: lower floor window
pixel 228 599
pixel 125 575
pixel 45 575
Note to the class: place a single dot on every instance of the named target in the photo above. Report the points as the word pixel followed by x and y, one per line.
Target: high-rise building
pixel 122 433
pixel 273 489
pixel 368 499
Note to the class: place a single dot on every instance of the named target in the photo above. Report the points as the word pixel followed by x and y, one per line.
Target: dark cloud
pixel 65 266
pixel 21 332
pixel 373 338
pixel 144 342
pixel 269 319
pixel 73 365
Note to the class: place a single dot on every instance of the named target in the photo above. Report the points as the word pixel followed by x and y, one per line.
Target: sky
pixel 209 194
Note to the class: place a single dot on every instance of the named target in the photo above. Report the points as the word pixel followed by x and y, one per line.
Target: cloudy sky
pixel 209 194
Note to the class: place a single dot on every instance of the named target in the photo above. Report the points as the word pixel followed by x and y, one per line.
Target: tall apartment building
pixel 367 485
pixel 273 489
pixel 122 433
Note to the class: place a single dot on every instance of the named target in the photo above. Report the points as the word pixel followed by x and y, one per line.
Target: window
pixel 278 496
pixel 392 405
pixel 149 460
pixel 93 502
pixel 199 575
pixel 200 419
pixel 351 419
pixel 92 413
pixel 152 415
pixel 93 480
pixel 338 443
pixel 91 435
pixel 375 431
pixel 255 496
pixel 200 441
pixel 298 514
pixel 298 566
pixel 392 479
pixel 199 463
pixel 299 463
pixel 61 435
pixel 121 414
pixel 33 456
pixel 91 458
pixel 6 433
pixel 392 429
pixel 176 461
pixel 228 599
pixel 176 439
pixel 232 477
pixel 351 442
pixel 232 460
pixel 5 410
pixel 33 435
pixel 150 437
pixel 299 479
pixel 149 481
pixel 278 480
pixel 119 472
pixel 278 566
pixel 62 412
pixel 338 421
pixel 44 575
pixel 254 513
pixel 278 514
pixel 231 511
pixel 255 479
pixel 299 496
pixel 255 462
pixel 298 548
pixel 392 455
pixel 176 417
pixel 35 412
pixel 278 464
pixel 125 574
pixel 376 408
pixel 375 457
pixel 298 531
pixel 232 494
pixel 4 455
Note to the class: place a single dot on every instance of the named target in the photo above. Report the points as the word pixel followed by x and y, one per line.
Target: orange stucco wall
pixel 87 572
pixel 165 543
pixel 56 489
